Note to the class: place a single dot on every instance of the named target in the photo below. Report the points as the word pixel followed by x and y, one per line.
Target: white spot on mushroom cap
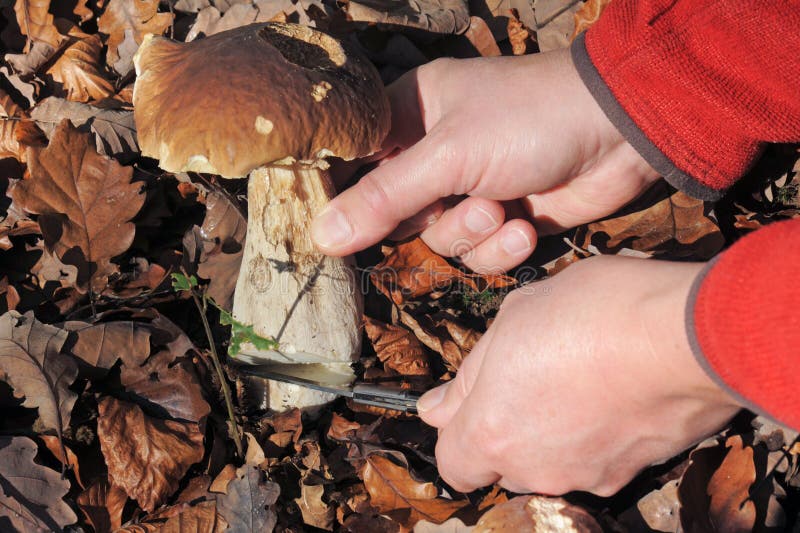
pixel 320 90
pixel 199 163
pixel 264 126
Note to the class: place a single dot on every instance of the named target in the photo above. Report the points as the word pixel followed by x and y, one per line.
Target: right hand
pixel 495 130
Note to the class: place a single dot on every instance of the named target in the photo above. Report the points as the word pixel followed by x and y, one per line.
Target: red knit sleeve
pixel 697 87
pixel 743 320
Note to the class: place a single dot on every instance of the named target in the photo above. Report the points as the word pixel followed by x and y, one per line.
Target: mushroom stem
pixel 308 302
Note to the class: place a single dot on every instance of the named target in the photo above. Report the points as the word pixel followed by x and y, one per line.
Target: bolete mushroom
pixel 271 101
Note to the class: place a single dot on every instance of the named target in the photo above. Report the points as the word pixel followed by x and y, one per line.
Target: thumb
pixel 438 406
pixel 372 208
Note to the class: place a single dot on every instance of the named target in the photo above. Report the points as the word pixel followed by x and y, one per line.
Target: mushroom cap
pixel 260 94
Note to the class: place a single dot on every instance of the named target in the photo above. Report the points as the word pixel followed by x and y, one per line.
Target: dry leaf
pixel 248 504
pixel 397 494
pixel 146 457
pixel 519 36
pixel 101 345
pixel 481 38
pixel 316 513
pixel 442 334
pixel 587 15
pixel 141 17
pixel 102 504
pixel 79 71
pixel 218 246
pixel 59 449
pixel 16 129
pixel 676 224
pixel 31 495
pixel 32 363
pixel 731 508
pixel 84 202
pixel 660 509
pixel 114 129
pixel 36 22
pixel 397 348
pixel 453 525
pixel 201 518
pixel 341 428
pixel 537 513
pixel 554 23
pixel 436 16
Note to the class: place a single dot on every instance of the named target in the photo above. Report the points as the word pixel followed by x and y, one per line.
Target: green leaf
pixel 241 333
pixel 181 282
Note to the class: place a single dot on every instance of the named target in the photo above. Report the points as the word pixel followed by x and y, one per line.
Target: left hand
pixel 582 381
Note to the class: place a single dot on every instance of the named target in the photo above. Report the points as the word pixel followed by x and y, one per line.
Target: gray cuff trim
pixel 697 351
pixel 628 128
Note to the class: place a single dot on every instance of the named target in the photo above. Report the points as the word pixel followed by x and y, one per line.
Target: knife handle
pixel 387 397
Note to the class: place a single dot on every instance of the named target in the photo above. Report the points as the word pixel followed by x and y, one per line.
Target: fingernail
pixel 432 398
pixel 331 229
pixel 479 220
pixel 515 242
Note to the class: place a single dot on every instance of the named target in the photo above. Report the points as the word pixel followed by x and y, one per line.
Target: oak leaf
pixel 397 348
pixel 537 513
pixel 394 491
pixel 146 457
pixel 101 345
pixel 32 363
pixel 140 17
pixel 114 129
pixel 436 16
pixel 31 495
pixel 248 503
pixel 103 503
pixel 84 201
pixel 79 71
pixel 36 22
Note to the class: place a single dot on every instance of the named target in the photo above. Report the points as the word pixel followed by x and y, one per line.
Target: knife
pixel 387 397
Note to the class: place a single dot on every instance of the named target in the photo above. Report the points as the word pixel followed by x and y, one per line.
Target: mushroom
pixel 271 101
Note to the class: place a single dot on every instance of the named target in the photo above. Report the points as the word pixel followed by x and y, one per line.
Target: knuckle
pixel 373 195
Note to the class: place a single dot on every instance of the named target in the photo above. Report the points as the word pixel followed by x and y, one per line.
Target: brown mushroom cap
pixel 256 95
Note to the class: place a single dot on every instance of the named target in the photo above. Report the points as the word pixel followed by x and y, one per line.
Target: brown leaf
pixel 79 71
pixel 676 224
pixel 436 16
pixel 140 17
pixel 31 495
pixel 316 513
pixel 587 15
pixel 84 202
pixel 554 23
pixel 36 22
pixel 660 509
pixel 114 129
pixel 519 36
pixel 146 457
pixel 396 493
pixel 31 359
pixel 537 513
pixel 82 11
pixel 200 518
pixel 481 38
pixel 731 508
pixel 101 345
pixel 16 129
pixel 341 428
pixel 248 504
pixel 102 504
pixel 397 348
pixel 54 444
pixel 442 334
pixel 218 246
pixel 452 525
pixel 411 269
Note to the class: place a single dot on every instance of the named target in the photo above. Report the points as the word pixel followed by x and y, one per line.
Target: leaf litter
pixel 115 415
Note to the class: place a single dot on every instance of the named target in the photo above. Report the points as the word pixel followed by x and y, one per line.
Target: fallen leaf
pixel 481 38
pixel 31 495
pixel 84 202
pixel 58 449
pixel 102 503
pixel 442 334
pixel 101 345
pixel 676 224
pixel 555 23
pixel 519 35
pixel 341 428
pixel 436 16
pixel 36 22
pixel 79 71
pixel 660 509
pixel 200 518
pixel 537 513
pixel 32 363
pixel 218 246
pixel 315 511
pixel 114 129
pixel 248 504
pixel 397 348
pixel 146 457
pixel 140 17
pixel 16 129
pixel 453 525
pixel 82 11
pixel 587 15
pixel 288 426
pixel 394 491
pixel 731 508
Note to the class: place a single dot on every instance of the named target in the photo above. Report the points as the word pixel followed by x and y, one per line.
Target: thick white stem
pixel 310 303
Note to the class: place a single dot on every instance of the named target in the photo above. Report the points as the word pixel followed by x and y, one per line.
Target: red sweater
pixel 699 87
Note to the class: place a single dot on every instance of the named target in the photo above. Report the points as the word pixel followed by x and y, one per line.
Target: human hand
pixel 520 129
pixel 582 381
